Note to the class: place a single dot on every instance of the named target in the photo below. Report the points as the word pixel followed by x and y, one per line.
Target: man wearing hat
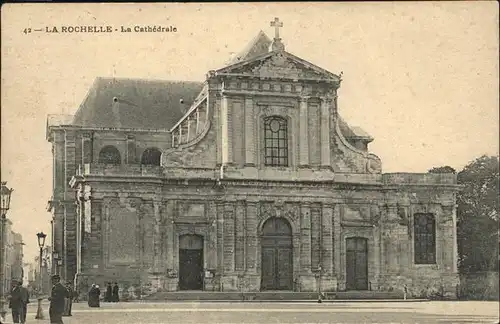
pixel 18 301
pixel 57 298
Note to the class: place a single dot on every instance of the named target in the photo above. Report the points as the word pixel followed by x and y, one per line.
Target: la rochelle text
pixel 105 29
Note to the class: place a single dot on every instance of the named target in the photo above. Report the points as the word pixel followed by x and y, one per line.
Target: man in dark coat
pixel 57 298
pixel 26 295
pixel 109 293
pixel 18 301
pixel 69 300
pixel 116 297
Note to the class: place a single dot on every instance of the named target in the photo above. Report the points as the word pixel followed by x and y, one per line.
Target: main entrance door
pixel 190 262
pixel 277 256
pixel 357 263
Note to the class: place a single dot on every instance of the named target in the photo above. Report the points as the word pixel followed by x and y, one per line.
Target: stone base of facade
pixel 307 282
pixel 422 286
pixel 328 283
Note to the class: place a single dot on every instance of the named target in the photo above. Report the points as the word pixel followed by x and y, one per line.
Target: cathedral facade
pixel 248 181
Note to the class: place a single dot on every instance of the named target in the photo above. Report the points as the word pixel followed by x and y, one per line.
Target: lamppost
pixel 4 206
pixel 41 242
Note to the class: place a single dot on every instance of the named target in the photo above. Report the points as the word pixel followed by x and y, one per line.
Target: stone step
pixel 273 295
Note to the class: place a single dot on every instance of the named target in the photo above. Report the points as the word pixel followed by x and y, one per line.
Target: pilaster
pixel 305 246
pixel 249 131
pixel 252 238
pixel 304 133
pixel 325 132
pixel 131 157
pixel 229 238
pixel 87 148
pixel 240 242
pixel 327 241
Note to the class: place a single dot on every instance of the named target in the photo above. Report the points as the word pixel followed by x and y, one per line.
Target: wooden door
pixel 356 264
pixel 277 255
pixel 190 262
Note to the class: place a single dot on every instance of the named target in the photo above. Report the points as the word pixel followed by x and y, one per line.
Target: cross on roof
pixel 276 23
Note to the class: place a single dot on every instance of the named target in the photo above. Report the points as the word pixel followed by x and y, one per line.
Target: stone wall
pixel 479 286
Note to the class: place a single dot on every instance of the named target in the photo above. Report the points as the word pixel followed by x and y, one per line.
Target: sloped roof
pixel 353 132
pixel 258 46
pixel 136 103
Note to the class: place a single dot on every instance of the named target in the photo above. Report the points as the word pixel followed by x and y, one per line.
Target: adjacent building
pixel 250 180
pixel 13 249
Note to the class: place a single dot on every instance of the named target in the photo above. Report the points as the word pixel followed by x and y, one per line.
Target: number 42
pixel 27 30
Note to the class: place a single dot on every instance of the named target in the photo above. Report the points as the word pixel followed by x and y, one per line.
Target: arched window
pixel 275 141
pixel 425 238
pixel 109 155
pixel 151 156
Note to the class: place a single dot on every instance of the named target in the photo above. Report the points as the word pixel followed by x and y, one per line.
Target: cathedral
pixel 248 181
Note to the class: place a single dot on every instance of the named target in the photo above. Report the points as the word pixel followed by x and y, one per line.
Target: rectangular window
pixel 275 141
pixel 424 238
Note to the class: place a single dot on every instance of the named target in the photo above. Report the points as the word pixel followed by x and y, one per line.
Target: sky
pixel 420 77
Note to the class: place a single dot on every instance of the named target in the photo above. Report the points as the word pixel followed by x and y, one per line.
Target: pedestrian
pixel 17 302
pixel 116 297
pixel 69 300
pixel 26 295
pixel 109 293
pixel 57 298
pixel 94 294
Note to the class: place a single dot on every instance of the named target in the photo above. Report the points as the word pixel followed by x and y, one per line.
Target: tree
pixel 443 169
pixel 477 215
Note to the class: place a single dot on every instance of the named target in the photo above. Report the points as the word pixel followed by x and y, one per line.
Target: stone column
pixel 327 244
pixel 252 238
pixel 220 237
pixel 303 132
pixel 170 234
pixel 337 243
pixel 158 255
pixel 305 244
pixel 249 132
pixel 97 238
pixel 169 244
pixel 328 281
pixel 227 141
pixel 307 279
pixel 325 132
pixel 229 238
pixel 131 157
pixel 87 149
pixel 240 237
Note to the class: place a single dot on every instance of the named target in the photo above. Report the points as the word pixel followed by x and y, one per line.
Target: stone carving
pixel 292 211
pixel 266 210
pixel 199 152
pixel 373 164
pixel 356 212
pixel 191 209
pixel 375 214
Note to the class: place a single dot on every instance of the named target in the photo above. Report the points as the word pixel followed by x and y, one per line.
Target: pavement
pixel 409 312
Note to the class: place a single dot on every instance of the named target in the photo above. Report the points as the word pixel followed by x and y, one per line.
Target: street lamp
pixel 41 242
pixel 5 193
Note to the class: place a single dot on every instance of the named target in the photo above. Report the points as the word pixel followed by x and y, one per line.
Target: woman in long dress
pixel 94 294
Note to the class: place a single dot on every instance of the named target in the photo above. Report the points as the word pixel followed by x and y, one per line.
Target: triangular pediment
pixel 279 64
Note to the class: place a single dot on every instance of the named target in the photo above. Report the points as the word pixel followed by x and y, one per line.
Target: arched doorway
pixel 277 255
pixel 190 262
pixel 356 263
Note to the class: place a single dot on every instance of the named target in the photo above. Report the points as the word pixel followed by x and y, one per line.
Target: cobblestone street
pixel 280 312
